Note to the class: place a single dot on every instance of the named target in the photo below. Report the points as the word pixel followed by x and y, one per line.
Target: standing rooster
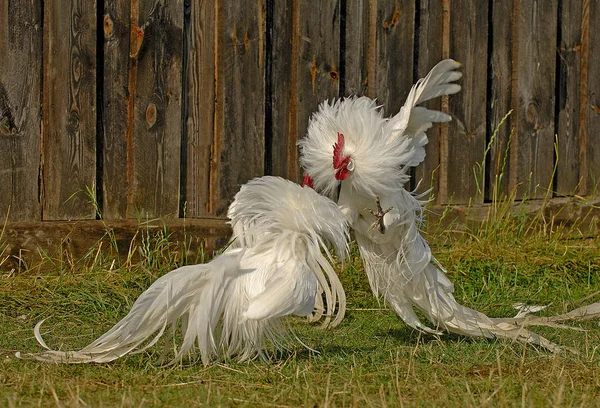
pixel 349 142
pixel 233 305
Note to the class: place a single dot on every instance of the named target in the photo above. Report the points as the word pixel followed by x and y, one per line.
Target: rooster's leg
pixel 378 214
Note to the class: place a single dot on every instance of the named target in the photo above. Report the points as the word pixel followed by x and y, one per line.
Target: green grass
pixel 372 359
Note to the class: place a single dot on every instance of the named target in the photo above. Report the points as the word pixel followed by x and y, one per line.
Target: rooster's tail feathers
pixel 196 295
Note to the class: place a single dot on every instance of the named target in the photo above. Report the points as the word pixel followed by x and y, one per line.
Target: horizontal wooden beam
pixel 560 210
pixel 28 242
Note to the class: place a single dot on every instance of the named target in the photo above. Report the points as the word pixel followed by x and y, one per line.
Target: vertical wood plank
pixel 200 95
pixel 69 109
pixel 157 50
pixel 467 131
pixel 317 64
pixel 395 51
pixel 590 59
pixel 115 104
pixel 313 75
pixel 283 86
pixel 379 50
pixel 568 98
pixel 20 83
pixel 429 51
pixel 534 144
pixel 500 98
pixel 359 41
pixel 238 145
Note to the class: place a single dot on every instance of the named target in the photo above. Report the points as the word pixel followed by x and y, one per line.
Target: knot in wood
pixel 531 112
pixel 151 114
pixel 108 26
pixel 136 37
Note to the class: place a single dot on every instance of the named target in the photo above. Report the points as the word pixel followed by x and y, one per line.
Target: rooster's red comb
pixel 338 159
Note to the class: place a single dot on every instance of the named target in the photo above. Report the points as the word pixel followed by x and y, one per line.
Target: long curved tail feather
pixel 197 294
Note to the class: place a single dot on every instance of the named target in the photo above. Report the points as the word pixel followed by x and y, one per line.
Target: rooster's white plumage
pixel 276 265
pixel 350 142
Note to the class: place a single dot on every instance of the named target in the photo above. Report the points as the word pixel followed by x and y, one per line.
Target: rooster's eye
pixel 350 165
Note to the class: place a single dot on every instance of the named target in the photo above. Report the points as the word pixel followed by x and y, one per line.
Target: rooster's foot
pixel 378 214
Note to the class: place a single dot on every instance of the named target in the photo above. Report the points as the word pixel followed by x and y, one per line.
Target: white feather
pixel 398 262
pixel 233 305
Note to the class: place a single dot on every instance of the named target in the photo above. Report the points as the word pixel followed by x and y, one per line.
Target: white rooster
pixel 233 305
pixel 349 142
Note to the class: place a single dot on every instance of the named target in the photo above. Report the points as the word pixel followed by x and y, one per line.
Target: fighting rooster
pixel 278 264
pixel 354 154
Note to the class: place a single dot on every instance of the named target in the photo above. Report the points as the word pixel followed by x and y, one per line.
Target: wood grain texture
pixel 467 131
pixel 395 27
pixel 30 242
pixel 303 76
pixel 200 95
pixel 117 145
pixel 317 61
pixel 585 213
pixel 591 118
pixel 428 45
pixel 380 41
pixel 358 42
pixel 20 115
pixel 69 109
pixel 568 98
pixel 158 54
pixel 500 98
pixel 534 141
pixel 379 52
pixel 284 87
pixel 238 145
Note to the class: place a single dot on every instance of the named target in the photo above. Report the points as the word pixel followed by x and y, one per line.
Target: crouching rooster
pixel 354 154
pixel 278 264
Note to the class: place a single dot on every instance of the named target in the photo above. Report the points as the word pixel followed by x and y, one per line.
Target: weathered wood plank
pixel 117 146
pixel 467 131
pixel 283 86
pixel 500 98
pixel 379 52
pixel 585 213
pixel 305 75
pixel 533 141
pixel 360 47
pixel 395 27
pixel 238 145
pixel 158 53
pixel 200 107
pixel 379 41
pixel 58 238
pixel 429 51
pixel 61 240
pixel 568 98
pixel 20 115
pixel 69 109
pixel 316 64
pixel 591 79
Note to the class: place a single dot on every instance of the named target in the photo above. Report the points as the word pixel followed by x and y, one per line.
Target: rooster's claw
pixel 379 215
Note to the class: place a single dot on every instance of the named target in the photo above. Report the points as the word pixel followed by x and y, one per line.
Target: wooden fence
pixel 163 108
